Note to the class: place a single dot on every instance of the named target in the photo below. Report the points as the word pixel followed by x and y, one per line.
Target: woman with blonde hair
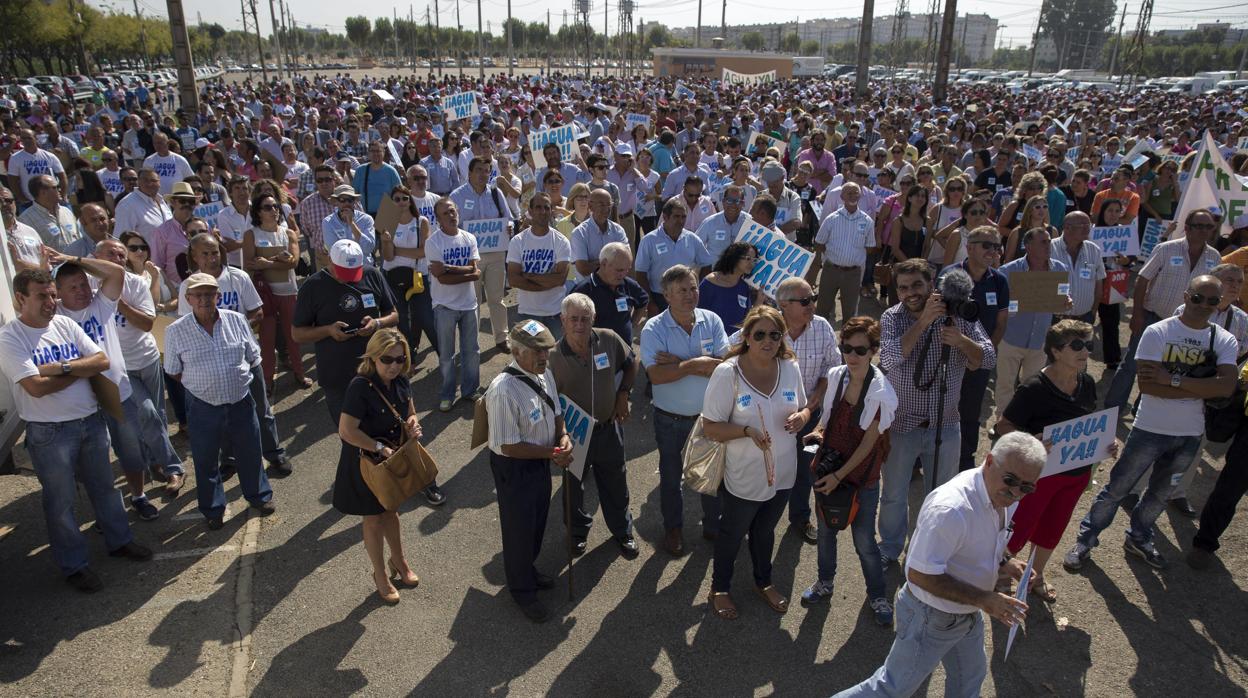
pixel 578 206
pixel 377 414
pixel 753 404
pixel 1035 215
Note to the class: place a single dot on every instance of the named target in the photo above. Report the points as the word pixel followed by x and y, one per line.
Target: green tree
pixel 536 38
pixel 752 41
pixel 383 35
pixel 658 35
pixel 1071 23
pixel 359 29
pixel 809 47
pixel 790 43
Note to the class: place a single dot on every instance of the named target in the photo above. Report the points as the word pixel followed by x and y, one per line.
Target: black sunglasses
pixel 976 211
pixel 851 349
pixel 390 360
pixel 138 248
pixel 760 335
pixel 991 246
pixel 1211 301
pixel 1014 482
pixel 805 301
pixel 1078 345
pixel 324 180
pixel 268 207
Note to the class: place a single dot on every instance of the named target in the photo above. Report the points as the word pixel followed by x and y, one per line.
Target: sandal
pixel 778 603
pixel 722 605
pixel 1043 590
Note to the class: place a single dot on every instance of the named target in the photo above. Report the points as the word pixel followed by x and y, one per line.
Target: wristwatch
pixel 1175 379
pixel 65 368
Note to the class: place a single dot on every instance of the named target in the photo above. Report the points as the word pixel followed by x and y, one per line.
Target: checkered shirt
pixel 215 368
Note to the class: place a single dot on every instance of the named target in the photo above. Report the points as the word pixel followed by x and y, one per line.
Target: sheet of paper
pixel 1021 596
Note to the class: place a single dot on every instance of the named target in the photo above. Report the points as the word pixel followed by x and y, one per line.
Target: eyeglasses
pixel 268 207
pixel 390 360
pixel 1078 344
pixel 976 211
pixel 760 335
pixel 991 246
pixel 862 174
pixel 1200 226
pixel 6 201
pixel 346 199
pixel 949 189
pixel 805 302
pixel 420 178
pixel 1198 298
pixel 138 248
pixel 554 181
pixel 733 200
pixel 1014 482
pixel 401 199
pixel 324 180
pixel 851 349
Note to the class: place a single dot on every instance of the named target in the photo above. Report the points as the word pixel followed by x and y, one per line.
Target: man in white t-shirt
pixel 49 360
pixel 22 243
pixel 1182 361
pixel 453 257
pixel 30 162
pixel 235 219
pixel 537 267
pixel 171 167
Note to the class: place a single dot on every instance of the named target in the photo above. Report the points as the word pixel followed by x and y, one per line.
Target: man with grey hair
pixel 619 301
pixel 54 223
pixel 719 230
pixel 956 556
pixel 21 242
pixel 595 369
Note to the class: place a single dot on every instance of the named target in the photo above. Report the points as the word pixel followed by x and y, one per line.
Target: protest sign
pixel 635 120
pixel 1116 240
pixel 1038 291
pixel 1114 290
pixel 461 105
pixel 732 77
pixel 387 218
pixel 580 427
pixel 683 92
pixel 1033 153
pixel 1153 232
pixel 438 130
pixel 1080 441
pixel 491 234
pixel 1213 183
pixel 1242 144
pixel 778 258
pixel 385 96
pixel 563 136
pixel 209 212
pixel 1072 153
pixel 759 143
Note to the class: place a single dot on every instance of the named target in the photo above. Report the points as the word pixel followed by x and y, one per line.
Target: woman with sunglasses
pixel 1062 390
pixel 946 219
pixel 139 262
pixel 1035 215
pixel 926 178
pixel 270 253
pixel 1031 185
pixel 753 404
pixel 377 416
pixel 1110 314
pixel 858 407
pixel 404 254
pixel 909 230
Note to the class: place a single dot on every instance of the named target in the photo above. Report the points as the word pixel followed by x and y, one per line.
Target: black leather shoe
pixel 85 580
pixel 433 495
pixel 1184 507
pixel 628 547
pixel 280 466
pixel 536 612
pixel 228 469
pixel 578 547
pixel 264 508
pixel 132 551
pixel 215 524
pixel 544 581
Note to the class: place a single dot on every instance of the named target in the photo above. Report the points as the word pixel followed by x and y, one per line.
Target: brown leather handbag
pixel 407 471
pixel 882 274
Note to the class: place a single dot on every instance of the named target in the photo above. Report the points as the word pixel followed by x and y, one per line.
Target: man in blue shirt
pixel 680 348
pixel 349 223
pixel 443 174
pixel 376 178
pixel 479 200
pixel 1023 347
pixel 619 301
pixel 554 161
pixel 668 245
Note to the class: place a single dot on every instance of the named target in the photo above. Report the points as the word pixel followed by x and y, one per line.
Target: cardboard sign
pixel 732 77
pixel 778 259
pixel 387 218
pixel 491 234
pixel 1153 232
pixel 462 105
pixel 635 120
pixel 580 427
pixel 1114 288
pixel 1080 441
pixel 759 143
pixel 159 325
pixel 563 136
pixel 1116 240
pixel 1037 291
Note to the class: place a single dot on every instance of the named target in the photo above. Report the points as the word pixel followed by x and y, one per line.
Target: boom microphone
pixel 955 288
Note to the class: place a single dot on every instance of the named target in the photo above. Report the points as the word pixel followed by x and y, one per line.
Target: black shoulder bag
pixel 1222 415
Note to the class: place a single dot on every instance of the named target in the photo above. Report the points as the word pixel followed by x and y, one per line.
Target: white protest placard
pixel 1080 441
pixel 760 142
pixel 580 427
pixel 635 120
pixel 1072 153
pixel 1116 240
pixel 732 77
pixel 1242 144
pixel 209 213
pixel 1213 183
pixel 562 136
pixel 491 234
pixel 683 92
pixel 385 96
pixel 1023 585
pixel 1032 153
pixel 438 130
pixel 462 105
pixel 1154 229
pixel 396 155
pixel 778 258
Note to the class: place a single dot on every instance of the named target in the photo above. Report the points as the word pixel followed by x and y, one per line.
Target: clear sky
pixel 1017 19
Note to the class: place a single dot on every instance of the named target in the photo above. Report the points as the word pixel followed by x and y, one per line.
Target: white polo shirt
pixel 959 533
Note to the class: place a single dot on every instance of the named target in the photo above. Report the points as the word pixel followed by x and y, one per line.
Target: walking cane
pixel 567 508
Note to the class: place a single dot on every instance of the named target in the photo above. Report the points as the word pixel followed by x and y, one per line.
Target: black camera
pixel 829 462
pixel 966 309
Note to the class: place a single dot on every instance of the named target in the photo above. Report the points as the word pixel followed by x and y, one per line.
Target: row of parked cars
pixel 39 89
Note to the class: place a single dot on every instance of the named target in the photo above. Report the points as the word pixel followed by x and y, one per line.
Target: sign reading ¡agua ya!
pixel 564 136
pixel 491 234
pixel 778 258
pixel 1116 240
pixel 580 427
pixel 1080 441
pixel 462 105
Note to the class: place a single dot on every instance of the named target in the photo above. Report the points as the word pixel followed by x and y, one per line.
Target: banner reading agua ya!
pixel 732 77
pixel 778 257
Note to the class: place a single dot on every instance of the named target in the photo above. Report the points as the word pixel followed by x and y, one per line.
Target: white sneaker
pixel 817 593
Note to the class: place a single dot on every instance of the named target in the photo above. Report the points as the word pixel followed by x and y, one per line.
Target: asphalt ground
pixel 307 604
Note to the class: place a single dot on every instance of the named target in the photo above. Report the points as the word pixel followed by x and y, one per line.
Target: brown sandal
pixel 778 603
pixel 725 611
pixel 1043 590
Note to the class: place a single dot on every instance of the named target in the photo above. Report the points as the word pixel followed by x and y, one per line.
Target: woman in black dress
pixel 368 423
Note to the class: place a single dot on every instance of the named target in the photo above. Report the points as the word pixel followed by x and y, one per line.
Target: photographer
pixel 927 348
pixel 859 407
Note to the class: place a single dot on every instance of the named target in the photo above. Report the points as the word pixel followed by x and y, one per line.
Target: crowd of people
pixel 334 212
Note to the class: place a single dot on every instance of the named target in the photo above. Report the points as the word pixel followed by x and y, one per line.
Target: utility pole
pixel 864 49
pixel 940 89
pixel 458 37
pixel 143 34
pixel 242 8
pixel 480 47
pixel 395 20
pixel 606 64
pixel 549 40
pixel 288 24
pixel 182 57
pixel 697 32
pixel 1242 55
pixel 511 56
pixel 437 41
pixel 277 39
pixel 723 22
pixel 1035 41
pixel 1113 57
pixel 255 23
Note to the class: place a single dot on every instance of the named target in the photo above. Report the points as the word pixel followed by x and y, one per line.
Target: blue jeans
pixel 463 322
pixel 149 396
pixel 1169 456
pixel 895 490
pixel 1119 390
pixel 670 435
pixel 270 446
pixel 124 437
pixel 863 530
pixel 63 453
pixel 554 323
pixel 799 495
pixel 927 636
pixel 215 426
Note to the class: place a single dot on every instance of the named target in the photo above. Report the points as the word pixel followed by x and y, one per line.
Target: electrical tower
pixel 899 33
pixel 1134 60
pixel 582 9
pixel 625 32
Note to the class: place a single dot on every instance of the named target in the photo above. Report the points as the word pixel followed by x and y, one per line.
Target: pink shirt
pixel 826 161
pixel 169 243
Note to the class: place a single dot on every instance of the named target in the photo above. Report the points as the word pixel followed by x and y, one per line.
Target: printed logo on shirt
pixel 94 328
pixel 37 167
pixel 743 402
pixel 990 298
pixel 708 347
pixel 661 248
pixel 368 300
pixel 1182 355
pixel 621 305
pixel 55 353
pixel 457 256
pixel 348 302
pixel 1085 273
pixel 600 361
pixel 166 170
pixel 790 396
pixel 537 261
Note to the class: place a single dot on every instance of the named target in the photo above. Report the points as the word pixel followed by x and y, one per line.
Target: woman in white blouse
pixel 404 255
pixel 270 253
pixel 753 404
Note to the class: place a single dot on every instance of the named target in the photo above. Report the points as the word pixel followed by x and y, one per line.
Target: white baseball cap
pixel 348 260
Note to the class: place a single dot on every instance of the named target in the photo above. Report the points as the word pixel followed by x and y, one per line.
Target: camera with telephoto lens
pixel 967 309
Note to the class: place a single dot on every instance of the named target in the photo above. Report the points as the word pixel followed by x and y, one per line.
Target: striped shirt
pixel 313 211
pixel 1085 271
pixel 816 349
pixel 846 237
pixel 517 413
pixel 216 367
pixel 1170 270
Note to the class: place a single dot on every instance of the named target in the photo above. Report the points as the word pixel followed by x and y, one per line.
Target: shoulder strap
pixel 393 411
pixel 533 385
